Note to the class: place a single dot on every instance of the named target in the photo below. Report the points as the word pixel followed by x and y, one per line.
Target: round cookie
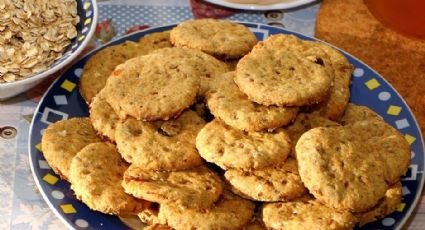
pixel 229 212
pixel 394 150
pixel 159 85
pixel 160 145
pixel 232 107
pixel 334 105
pixel 155 86
pixel 388 205
pixel 305 213
pixel 207 66
pixel 100 66
pixel 220 38
pixel 196 188
pixel 303 123
pixel 338 168
pixel 274 73
pixel 387 144
pixel 96 174
pixel 103 117
pixel 62 140
pixel 276 183
pixel 230 148
pixel 156 40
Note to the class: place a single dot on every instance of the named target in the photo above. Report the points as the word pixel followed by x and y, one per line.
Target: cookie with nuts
pixel 230 148
pixel 160 145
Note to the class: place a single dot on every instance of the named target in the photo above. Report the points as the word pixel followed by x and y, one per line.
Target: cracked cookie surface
pixel 195 188
pixel 161 145
pixel 230 148
pixel 220 38
pixel 231 106
pixel 276 183
pixel 273 73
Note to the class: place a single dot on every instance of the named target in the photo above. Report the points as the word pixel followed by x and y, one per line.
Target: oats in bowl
pixel 33 34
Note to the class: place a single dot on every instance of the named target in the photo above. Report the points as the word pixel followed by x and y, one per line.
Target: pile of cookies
pixel 201 127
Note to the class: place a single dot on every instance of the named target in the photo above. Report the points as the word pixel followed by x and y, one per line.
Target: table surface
pixel 21 205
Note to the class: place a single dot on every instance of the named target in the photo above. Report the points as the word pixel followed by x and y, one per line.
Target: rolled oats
pixel 33 34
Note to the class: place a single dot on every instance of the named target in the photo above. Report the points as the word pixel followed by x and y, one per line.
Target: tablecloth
pixel 21 205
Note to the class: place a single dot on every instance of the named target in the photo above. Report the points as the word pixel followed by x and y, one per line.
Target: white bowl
pixel 87 10
pixel 277 6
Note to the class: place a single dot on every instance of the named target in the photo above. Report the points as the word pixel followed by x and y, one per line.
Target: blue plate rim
pixel 69 226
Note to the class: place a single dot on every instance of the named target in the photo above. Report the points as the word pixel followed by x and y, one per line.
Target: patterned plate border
pixel 62 101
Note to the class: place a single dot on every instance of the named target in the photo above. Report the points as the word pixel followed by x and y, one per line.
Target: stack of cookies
pixel 204 128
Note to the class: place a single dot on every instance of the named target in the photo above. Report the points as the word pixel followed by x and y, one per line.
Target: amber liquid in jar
pixel 405 16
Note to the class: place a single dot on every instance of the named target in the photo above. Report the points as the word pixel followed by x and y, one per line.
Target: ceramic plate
pixel 284 4
pixel 63 101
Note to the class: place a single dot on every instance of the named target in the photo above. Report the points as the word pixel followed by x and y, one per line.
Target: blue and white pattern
pixel 368 88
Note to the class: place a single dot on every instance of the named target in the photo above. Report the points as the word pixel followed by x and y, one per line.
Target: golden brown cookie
pixel 159 85
pixel 386 206
pixel 207 66
pixel 275 73
pixel 157 40
pixel 234 108
pixel 303 123
pixel 275 183
pixel 388 145
pixel 334 105
pixel 220 38
pixel 230 148
pixel 161 145
pixel 96 174
pixel 357 113
pixel 100 66
pixel 103 117
pixel 62 140
pixel 305 213
pixel 339 169
pixel 196 188
pixel 230 212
